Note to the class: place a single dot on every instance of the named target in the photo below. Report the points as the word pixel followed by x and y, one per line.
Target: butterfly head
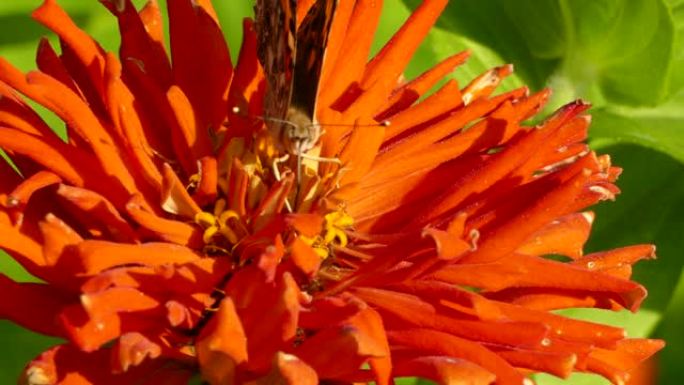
pixel 300 133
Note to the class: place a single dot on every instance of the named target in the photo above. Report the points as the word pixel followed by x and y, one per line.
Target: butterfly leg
pixel 274 166
pixel 278 177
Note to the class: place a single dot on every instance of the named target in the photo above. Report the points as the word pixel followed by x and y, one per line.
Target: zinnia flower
pixel 170 242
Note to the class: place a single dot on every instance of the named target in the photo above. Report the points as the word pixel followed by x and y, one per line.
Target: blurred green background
pixel 624 56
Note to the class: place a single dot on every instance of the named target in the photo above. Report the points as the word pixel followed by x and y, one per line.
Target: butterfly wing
pixel 276 37
pixel 312 41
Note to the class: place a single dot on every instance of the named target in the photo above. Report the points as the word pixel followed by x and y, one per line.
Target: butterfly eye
pixel 291 131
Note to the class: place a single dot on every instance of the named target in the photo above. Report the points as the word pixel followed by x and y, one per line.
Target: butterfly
pixel 292 59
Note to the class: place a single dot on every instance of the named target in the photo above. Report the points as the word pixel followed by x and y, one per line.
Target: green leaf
pixel 20 346
pixel 660 128
pixel 231 15
pixel 487 24
pixel 620 51
pixel 413 381
pixel 670 360
pixel 677 14
pixel 574 379
pixel 641 75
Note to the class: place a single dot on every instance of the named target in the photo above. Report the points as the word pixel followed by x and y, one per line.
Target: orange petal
pixel 96 210
pixel 92 257
pixel 207 187
pixel 434 342
pixel 57 237
pixel 612 261
pixel 402 311
pixel 308 225
pixel 558 364
pixel 80 116
pixel 413 90
pixel 189 141
pixel 168 230
pixel 67 365
pixel 360 152
pixel 15 113
pixel 483 85
pixel 436 105
pixel 349 344
pixel 88 52
pixel 54 158
pixel 356 45
pixel 23 249
pixel 222 345
pixel 384 69
pixel 23 192
pixel 175 198
pixel 290 370
pixel 304 257
pixel 497 242
pixel 272 204
pixel 616 364
pixel 137 151
pixel 443 370
pixel 131 349
pixel 564 236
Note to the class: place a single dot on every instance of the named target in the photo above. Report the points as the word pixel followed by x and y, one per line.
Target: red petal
pixel 32 305
pixel 195 34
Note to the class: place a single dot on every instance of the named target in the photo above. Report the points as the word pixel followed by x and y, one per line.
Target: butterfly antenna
pixel 237 110
pixel 384 123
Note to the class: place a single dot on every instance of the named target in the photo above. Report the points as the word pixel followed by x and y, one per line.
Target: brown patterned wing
pixel 312 41
pixel 276 37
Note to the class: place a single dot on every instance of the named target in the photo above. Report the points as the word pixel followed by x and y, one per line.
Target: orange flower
pixel 171 242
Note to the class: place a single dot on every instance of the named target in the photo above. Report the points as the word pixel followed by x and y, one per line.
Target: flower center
pixel 256 184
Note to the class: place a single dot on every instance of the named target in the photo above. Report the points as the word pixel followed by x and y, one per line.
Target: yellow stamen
pixel 226 215
pixel 209 233
pixel 205 219
pixel 321 252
